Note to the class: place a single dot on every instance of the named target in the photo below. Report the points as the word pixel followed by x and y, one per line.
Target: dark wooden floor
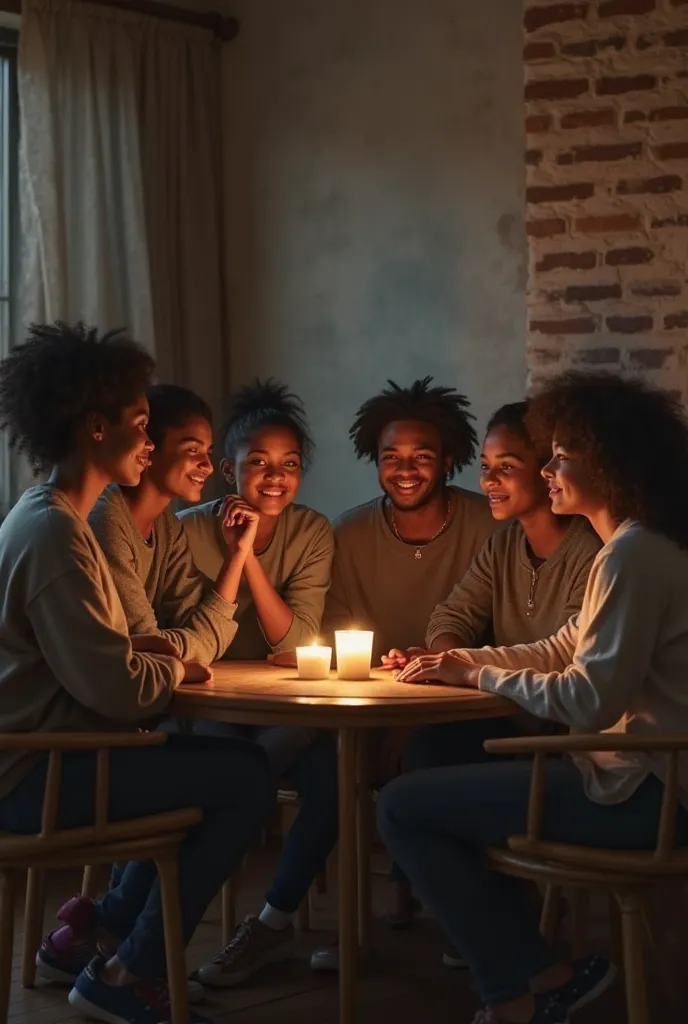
pixel 403 982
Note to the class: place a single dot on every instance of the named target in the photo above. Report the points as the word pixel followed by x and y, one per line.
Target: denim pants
pixel 230 780
pixel 451 743
pixel 307 760
pixel 437 822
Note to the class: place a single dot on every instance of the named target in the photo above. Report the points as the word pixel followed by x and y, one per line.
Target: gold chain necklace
pixel 420 547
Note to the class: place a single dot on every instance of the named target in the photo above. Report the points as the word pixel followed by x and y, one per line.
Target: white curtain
pixel 120 182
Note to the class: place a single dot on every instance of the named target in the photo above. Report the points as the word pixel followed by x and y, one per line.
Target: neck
pixel 603 524
pixel 418 525
pixel 544 531
pixel 145 503
pixel 80 482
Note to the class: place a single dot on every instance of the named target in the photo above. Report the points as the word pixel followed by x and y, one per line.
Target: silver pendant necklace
pixel 419 549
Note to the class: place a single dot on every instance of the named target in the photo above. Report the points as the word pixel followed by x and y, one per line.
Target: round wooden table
pixel 256 693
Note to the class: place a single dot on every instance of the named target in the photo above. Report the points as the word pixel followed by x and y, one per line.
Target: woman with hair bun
pixel 267 448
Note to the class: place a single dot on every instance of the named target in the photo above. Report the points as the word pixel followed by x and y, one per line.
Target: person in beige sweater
pixel 525 583
pixel 620 458
pixel 75 404
pixel 267 446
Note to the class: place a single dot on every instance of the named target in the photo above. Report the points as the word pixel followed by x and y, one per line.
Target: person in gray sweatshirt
pixel 619 458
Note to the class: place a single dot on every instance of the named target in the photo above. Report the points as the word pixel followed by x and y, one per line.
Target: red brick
pixel 672 151
pixel 591 47
pixel 611 8
pixel 559 193
pixel 592 292
pixel 629 324
pixel 632 116
pixel 588 118
pixel 536 123
pixel 678 38
pixel 539 51
pixel 674 320
pixel 620 84
pixel 538 17
pixel 609 222
pixel 649 358
pixel 669 113
pixel 596 154
pixel 569 260
pixel 556 88
pixel 597 356
pixel 533 157
pixel 547 227
pixel 679 221
pixel 655 289
pixel 576 325
pixel 650 186
pixel 626 257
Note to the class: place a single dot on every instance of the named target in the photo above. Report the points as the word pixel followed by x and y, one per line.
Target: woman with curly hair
pixel 267 448
pixel 75 404
pixel 619 458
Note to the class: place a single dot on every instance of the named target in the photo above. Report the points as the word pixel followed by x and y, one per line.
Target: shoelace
pixel 155 993
pixel 238 941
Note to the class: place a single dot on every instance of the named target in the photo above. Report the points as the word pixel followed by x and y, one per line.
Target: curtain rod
pixel 224 28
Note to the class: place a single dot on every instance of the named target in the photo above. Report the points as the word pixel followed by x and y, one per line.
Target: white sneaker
pixel 326 958
pixel 453 960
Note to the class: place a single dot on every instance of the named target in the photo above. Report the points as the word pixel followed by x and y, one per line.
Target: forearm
pixel 274 614
pixel 446 642
pixel 228 579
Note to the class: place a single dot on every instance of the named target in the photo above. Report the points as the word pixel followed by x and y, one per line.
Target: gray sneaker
pixel 252 946
pixel 326 958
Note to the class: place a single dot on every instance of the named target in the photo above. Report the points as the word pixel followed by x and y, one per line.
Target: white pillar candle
pixel 354 653
pixel 314 662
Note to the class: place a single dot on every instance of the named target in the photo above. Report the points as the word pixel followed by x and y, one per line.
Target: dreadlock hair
pixel 445 408
pixel 172 406
pixel 633 438
pixel 60 375
pixel 512 417
pixel 266 404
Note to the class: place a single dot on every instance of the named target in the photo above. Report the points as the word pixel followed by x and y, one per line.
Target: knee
pixel 390 804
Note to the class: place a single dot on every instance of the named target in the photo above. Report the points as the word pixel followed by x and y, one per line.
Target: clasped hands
pixel 416 665
pixel 153 643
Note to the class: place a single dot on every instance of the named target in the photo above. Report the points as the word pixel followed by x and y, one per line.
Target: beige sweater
pixel 159 585
pixel 297 562
pixel 66 662
pixel 620 666
pixel 503 591
pixel 379 584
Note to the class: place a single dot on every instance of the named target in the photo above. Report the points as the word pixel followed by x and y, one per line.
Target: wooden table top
pixel 256 692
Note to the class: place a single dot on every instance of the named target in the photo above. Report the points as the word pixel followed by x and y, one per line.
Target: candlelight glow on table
pixel 354 653
pixel 314 662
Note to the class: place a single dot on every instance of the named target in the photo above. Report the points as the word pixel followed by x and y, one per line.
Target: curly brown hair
pixel 634 439
pixel 60 374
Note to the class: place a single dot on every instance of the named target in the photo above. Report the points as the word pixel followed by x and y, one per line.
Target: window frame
pixel 9 231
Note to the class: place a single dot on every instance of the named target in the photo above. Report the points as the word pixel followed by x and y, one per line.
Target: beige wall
pixel 374 172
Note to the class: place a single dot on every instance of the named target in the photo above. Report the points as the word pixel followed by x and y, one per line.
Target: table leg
pixel 348 882
pixel 363 810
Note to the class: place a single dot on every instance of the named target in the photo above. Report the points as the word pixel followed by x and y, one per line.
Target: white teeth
pixel 272 494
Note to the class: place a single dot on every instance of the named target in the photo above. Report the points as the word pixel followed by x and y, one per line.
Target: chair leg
pixel 549 918
pixel 363 843
pixel 174 940
pixel 8 884
pixel 580 905
pixel 34 909
pixel 634 960
pixel 229 898
pixel 89 881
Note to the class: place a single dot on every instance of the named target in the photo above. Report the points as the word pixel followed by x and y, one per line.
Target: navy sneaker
pixel 591 977
pixel 547 1011
pixel 146 1002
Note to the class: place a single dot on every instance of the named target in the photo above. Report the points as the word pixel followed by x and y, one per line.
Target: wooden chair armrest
pixel 75 741
pixel 584 742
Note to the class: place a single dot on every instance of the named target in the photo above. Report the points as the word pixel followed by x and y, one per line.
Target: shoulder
pixel 473 505
pixel 357 519
pixel 44 526
pixel 583 543
pixel 307 521
pixel 200 517
pixel 110 513
pixel 636 553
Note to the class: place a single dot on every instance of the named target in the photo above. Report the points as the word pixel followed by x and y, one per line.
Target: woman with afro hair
pixel 619 458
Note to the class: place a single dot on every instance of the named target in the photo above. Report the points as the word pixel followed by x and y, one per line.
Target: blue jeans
pixel 451 743
pixel 437 822
pixel 231 781
pixel 307 759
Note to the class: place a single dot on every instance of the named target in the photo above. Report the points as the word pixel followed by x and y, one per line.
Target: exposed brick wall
pixel 607 187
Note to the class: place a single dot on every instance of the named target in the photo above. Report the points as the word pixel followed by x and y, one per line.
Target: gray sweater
pixel 619 666
pixel 159 585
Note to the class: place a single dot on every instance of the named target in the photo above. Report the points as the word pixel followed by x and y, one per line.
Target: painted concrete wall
pixel 374 171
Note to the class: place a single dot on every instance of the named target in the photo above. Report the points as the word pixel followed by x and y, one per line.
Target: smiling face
pixel 571 489
pixel 181 463
pixel 510 475
pixel 411 467
pixel 121 449
pixel 267 469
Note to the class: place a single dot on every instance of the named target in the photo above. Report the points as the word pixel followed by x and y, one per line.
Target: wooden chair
pixel 156 837
pixel 627 874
